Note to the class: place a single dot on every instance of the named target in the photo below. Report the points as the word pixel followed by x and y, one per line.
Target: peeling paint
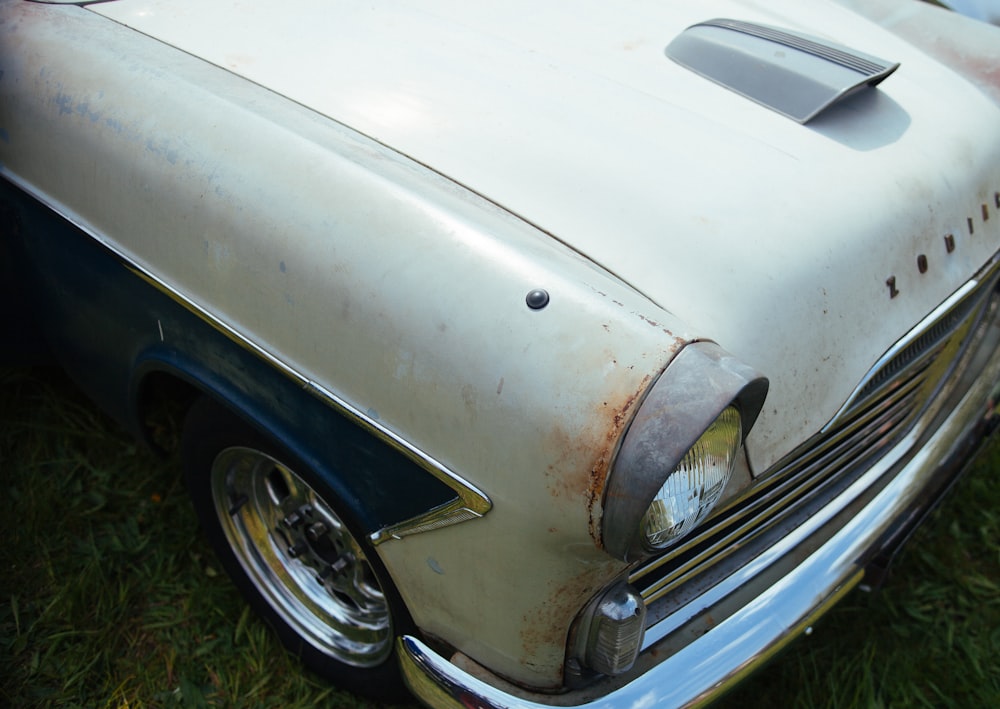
pixel 65 103
pixel 83 109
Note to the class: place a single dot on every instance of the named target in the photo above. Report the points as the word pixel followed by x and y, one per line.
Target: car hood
pixel 774 239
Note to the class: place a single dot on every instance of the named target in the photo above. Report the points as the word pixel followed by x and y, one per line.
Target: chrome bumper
pixel 700 670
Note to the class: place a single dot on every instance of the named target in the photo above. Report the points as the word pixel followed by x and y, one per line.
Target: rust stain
pixel 597 444
pixel 975 60
pixel 646 320
pixel 546 626
pixel 619 417
pixel 584 456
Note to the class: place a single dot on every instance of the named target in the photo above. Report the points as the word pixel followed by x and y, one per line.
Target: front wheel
pixel 277 533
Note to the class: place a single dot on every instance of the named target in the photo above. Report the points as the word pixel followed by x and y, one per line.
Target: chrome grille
pixel 882 409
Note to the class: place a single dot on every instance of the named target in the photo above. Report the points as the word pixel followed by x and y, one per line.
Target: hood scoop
pixel 796 75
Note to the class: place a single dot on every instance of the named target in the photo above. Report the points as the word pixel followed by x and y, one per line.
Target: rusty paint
pixel 922 263
pixel 971 227
pixel 546 620
pixel 974 55
pixel 597 444
pixel 650 321
pixel 986 212
pixel 620 418
pixel 891 282
pixel 949 243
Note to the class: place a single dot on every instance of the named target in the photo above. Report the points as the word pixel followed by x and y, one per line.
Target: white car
pixel 537 354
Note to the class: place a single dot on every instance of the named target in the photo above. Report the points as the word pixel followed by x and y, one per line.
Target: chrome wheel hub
pixel 301 557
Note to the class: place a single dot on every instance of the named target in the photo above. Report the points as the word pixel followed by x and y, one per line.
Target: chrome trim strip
pixel 909 338
pixel 705 667
pixel 471 502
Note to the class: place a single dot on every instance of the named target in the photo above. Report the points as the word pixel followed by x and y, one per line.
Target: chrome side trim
pixel 701 669
pixel 471 502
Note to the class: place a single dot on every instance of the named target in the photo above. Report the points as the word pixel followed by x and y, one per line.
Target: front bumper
pixel 867 529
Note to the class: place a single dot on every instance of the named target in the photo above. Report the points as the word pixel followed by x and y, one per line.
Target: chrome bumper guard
pixel 698 670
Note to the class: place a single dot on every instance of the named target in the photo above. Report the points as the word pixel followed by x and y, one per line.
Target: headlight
pixel 695 485
pixel 679 450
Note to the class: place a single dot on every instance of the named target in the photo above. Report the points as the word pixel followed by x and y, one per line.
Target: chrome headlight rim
pixel 698 385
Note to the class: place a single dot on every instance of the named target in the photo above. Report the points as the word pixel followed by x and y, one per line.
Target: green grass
pixel 109 597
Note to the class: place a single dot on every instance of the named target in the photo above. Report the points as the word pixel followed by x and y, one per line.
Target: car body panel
pixel 511 109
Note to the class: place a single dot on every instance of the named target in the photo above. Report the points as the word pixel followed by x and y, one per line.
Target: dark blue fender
pixel 21 342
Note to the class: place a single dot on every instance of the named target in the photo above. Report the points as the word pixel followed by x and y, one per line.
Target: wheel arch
pixel 364 473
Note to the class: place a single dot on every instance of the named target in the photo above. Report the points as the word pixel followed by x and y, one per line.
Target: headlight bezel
pixel 701 382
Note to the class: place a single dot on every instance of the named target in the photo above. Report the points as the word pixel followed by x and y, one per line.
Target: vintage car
pixel 533 354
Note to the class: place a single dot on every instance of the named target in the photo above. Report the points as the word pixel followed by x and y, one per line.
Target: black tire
pixel 292 554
